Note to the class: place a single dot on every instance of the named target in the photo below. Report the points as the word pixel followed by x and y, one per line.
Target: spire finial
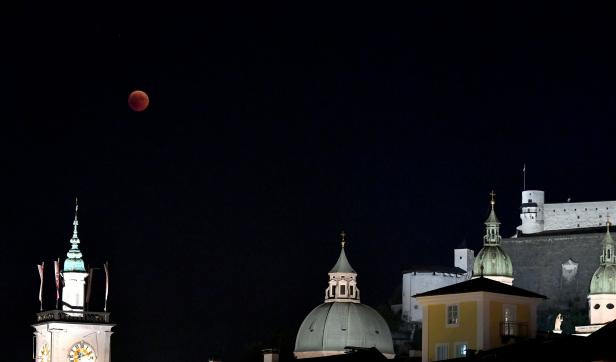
pixel 342 238
pixel 76 222
pixel 492 194
pixel 608 223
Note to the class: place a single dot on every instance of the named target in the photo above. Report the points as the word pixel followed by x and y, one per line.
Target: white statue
pixel 557 322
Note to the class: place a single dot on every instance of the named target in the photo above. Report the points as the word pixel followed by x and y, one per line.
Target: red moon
pixel 138 101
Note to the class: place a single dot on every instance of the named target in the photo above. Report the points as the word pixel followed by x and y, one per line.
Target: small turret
pixel 531 212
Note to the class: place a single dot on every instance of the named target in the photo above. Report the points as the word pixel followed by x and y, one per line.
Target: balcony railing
pixel 513 329
pixel 72 316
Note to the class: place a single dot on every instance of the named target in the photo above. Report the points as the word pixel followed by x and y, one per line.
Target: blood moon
pixel 138 101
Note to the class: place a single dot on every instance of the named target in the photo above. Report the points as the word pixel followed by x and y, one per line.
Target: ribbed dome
pixel 495 262
pixel 604 280
pixel 331 327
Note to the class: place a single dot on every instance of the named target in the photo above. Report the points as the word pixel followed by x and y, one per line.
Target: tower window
pixel 351 290
pixel 333 291
pixel 596 306
pixel 610 306
pixel 342 290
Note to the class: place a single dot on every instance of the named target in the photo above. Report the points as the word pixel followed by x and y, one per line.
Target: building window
pixel 596 306
pixel 342 290
pixel 351 290
pixel 333 291
pixel 453 315
pixel 459 349
pixel 442 351
pixel 610 306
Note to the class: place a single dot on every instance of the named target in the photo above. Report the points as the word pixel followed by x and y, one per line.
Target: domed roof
pixel 495 262
pixel 604 280
pixel 331 327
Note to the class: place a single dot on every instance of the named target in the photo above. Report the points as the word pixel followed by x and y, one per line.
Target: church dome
pixel 342 321
pixel 604 280
pixel 331 327
pixel 495 262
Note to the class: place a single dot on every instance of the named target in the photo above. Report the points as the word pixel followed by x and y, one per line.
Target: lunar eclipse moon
pixel 138 101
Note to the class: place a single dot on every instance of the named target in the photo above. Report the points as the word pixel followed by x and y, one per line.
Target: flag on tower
pixel 56 265
pixel 106 283
pixel 41 267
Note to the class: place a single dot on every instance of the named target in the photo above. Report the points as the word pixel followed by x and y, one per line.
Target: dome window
pixel 610 306
pixel 596 306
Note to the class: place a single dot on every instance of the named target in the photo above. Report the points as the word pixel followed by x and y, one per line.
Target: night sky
pixel 270 130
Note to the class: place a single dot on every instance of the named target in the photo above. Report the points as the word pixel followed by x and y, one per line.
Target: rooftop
pixel 482 285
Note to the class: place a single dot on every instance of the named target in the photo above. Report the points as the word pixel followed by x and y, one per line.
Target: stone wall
pixel 557 266
pixel 576 215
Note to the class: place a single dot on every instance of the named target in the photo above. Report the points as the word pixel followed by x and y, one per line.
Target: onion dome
pixel 492 261
pixel 604 279
pixel 342 321
pixel 73 262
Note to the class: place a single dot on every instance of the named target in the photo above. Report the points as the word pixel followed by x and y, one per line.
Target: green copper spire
pixel 342 265
pixel 492 261
pixel 74 263
pixel 607 257
pixel 604 279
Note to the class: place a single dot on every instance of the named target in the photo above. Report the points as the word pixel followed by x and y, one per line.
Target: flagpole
pixel 524 172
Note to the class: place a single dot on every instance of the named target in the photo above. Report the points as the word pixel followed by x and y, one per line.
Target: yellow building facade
pixel 478 314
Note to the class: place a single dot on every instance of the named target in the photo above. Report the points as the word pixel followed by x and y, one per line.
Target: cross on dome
pixel 342 238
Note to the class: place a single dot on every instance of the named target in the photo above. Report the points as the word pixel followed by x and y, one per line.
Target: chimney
pixel 270 355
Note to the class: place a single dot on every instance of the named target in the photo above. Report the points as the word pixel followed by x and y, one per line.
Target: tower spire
pixel 73 260
pixel 608 257
pixel 492 236
pixel 76 222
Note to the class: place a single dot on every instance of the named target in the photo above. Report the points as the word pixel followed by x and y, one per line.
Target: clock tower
pixel 72 333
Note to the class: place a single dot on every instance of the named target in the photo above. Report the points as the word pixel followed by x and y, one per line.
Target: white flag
pixel 41 267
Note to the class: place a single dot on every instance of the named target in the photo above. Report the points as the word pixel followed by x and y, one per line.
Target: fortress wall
pixel 574 215
pixel 538 266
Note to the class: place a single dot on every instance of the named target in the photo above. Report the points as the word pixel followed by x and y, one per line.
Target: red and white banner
pixel 41 267
pixel 106 283
pixel 56 266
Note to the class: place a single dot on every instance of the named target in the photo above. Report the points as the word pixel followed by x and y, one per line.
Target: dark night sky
pixel 270 130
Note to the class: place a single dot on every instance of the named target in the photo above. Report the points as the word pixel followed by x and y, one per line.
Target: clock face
pixel 45 353
pixel 81 352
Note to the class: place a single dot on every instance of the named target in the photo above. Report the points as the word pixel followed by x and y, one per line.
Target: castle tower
pixel 602 296
pixel 532 212
pixel 492 262
pixel 342 321
pixel 72 333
